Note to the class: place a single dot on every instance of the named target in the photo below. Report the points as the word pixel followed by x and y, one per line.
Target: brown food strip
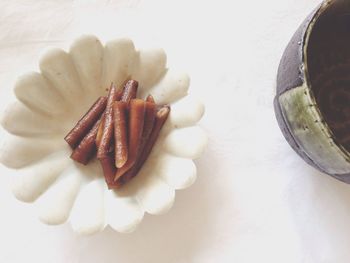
pixel 130 91
pixel 119 94
pixel 136 121
pixel 87 147
pixel 120 133
pixel 150 99
pixel 160 119
pixel 86 122
pixel 149 119
pixel 109 170
pixel 150 116
pixel 107 127
pixel 100 128
pixel 100 131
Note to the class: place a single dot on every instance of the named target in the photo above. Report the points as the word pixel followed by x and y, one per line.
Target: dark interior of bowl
pixel 328 64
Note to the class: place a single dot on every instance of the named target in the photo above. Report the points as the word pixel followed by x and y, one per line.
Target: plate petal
pixel 172 87
pixel 19 120
pixel 186 142
pixel 87 55
pixel 118 59
pixel 179 173
pixel 57 66
pixel 152 192
pixel 34 180
pixel 34 91
pixel 17 152
pixel 149 68
pixel 186 112
pixel 87 216
pixel 124 213
pixel 155 196
pixel 55 204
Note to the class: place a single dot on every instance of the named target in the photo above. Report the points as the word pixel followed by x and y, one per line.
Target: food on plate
pixel 122 129
pixel 86 122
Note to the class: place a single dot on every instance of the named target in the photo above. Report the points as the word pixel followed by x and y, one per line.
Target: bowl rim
pixel 322 8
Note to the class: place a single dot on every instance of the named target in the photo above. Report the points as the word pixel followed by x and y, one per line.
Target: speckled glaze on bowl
pixel 49 104
pixel 298 112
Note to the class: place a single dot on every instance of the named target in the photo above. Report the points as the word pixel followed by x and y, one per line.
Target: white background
pixel 255 200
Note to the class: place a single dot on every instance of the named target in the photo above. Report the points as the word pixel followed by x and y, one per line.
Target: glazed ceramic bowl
pixel 312 104
pixel 49 104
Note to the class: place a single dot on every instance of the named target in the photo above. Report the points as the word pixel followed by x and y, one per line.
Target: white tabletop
pixel 254 200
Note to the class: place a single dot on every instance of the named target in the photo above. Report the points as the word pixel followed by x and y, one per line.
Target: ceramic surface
pixel 50 103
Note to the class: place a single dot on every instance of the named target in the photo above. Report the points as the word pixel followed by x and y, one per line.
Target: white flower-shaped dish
pixel 51 102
